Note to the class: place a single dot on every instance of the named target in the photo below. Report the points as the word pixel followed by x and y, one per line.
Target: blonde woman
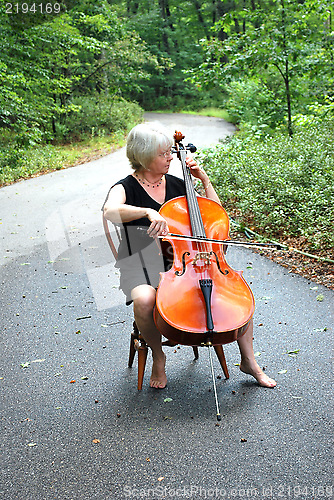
pixel 134 202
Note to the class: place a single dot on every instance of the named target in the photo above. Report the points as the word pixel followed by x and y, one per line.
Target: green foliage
pixel 278 51
pixel 211 111
pixel 22 156
pixel 100 114
pixel 282 186
pixel 45 68
pixel 284 46
pixel 172 32
pixel 251 103
pixel 21 162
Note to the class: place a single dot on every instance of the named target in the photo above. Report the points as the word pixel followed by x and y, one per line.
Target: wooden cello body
pixel 201 300
pixel 181 311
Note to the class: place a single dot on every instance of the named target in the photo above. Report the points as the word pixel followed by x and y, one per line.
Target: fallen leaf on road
pixel 161 478
pixel 168 400
pixel 32 444
pixel 25 365
pixel 293 354
pixel 320 298
pixel 282 371
pixel 95 441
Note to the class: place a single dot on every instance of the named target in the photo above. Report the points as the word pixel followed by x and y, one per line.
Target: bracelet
pixel 206 187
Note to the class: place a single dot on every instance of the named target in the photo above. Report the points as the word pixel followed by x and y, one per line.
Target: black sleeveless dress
pixel 139 257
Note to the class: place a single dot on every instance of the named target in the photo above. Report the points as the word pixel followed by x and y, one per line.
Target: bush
pixel 282 186
pixel 17 163
pixel 22 156
pixel 251 104
pixel 99 114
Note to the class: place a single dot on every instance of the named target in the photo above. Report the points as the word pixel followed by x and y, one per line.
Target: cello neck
pixel 196 222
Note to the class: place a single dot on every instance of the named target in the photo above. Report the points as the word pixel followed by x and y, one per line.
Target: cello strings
pixel 195 215
pixel 197 224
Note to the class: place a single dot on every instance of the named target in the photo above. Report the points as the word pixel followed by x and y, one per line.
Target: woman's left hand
pixel 195 170
pixel 200 174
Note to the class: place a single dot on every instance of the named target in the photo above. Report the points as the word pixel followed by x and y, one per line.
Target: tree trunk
pixel 165 12
pixel 287 72
pixel 222 9
pixel 288 97
pixel 197 6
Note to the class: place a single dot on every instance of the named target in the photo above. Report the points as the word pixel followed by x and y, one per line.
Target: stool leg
pixel 133 340
pixel 195 349
pixel 221 356
pixel 132 350
pixel 142 355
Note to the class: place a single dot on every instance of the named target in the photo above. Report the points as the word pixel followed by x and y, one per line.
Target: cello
pixel 201 300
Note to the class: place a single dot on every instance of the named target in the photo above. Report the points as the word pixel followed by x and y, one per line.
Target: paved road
pixel 74 425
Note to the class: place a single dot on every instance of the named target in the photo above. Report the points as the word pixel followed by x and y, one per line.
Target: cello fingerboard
pixel 197 226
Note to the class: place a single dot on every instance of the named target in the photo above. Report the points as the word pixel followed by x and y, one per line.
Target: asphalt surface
pixel 74 426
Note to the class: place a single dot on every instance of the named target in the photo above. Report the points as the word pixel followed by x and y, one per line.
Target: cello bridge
pixel 202 256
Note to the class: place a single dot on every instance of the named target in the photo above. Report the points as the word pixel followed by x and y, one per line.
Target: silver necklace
pixel 147 183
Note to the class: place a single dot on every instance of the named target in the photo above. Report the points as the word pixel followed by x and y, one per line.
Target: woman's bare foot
pixel 257 373
pixel 158 378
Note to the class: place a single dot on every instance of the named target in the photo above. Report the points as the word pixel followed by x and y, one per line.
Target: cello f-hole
pixel 180 273
pixel 226 271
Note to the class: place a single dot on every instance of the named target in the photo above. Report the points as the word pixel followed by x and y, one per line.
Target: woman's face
pixel 160 164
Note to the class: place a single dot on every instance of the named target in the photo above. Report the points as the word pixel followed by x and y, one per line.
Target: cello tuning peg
pixel 191 147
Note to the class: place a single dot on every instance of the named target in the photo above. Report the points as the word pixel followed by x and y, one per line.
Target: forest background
pixel 75 76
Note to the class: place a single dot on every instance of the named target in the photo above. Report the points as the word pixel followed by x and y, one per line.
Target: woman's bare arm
pixel 117 211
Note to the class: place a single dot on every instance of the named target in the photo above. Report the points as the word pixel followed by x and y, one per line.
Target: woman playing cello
pixel 135 202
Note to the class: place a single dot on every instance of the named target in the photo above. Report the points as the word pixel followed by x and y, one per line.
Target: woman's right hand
pixel 158 225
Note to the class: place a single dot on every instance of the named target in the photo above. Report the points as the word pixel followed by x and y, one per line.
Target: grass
pixel 210 111
pixel 22 163
pixel 215 112
pixel 90 149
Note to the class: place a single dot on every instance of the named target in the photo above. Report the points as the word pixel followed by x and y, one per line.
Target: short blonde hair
pixel 144 142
